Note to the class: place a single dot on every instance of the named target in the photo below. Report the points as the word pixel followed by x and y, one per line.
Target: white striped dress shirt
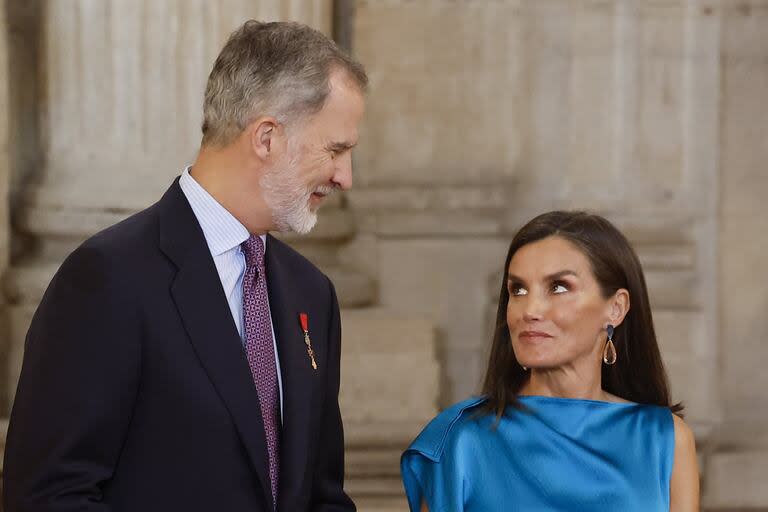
pixel 224 234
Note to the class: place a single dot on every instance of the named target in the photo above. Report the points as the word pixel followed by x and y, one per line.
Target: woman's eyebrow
pixel 550 277
pixel 562 273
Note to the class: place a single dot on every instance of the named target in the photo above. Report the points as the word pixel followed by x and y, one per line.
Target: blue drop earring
pixel 609 352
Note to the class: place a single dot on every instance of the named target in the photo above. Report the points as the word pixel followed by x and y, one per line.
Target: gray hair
pixel 279 69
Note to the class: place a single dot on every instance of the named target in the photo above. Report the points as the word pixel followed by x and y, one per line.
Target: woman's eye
pixel 559 288
pixel 517 290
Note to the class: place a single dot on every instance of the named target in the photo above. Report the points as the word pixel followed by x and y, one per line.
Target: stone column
pixel 4 200
pixel 737 469
pixel 4 160
pixel 389 390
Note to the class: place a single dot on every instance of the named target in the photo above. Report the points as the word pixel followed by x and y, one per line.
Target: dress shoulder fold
pixel 431 442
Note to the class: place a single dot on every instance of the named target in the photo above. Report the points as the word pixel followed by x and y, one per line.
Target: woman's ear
pixel 618 307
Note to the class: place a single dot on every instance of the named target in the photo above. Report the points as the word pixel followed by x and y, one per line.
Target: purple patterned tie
pixel 260 350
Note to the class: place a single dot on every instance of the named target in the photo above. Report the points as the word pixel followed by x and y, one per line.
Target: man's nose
pixel 342 176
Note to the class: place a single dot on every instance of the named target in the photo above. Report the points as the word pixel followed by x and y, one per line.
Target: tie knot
pixel 253 248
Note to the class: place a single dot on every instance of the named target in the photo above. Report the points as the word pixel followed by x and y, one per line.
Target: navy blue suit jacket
pixel 135 393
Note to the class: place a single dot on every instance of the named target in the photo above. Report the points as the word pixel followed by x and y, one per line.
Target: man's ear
pixel 618 307
pixel 263 134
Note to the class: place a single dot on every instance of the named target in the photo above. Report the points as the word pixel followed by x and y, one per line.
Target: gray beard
pixel 288 201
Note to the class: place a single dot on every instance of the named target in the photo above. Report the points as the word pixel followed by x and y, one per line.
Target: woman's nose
pixel 534 308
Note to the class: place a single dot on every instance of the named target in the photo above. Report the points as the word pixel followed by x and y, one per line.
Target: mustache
pixel 326 190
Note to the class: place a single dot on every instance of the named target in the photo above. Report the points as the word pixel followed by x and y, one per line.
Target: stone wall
pixel 736 472
pixel 4 161
pixel 4 203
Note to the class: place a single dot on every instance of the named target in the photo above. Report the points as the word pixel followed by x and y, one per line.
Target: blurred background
pixel 481 114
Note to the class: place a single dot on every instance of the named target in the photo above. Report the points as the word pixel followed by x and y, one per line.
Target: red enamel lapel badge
pixel 304 319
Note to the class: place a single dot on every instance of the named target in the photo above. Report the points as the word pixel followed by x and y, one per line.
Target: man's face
pixel 318 159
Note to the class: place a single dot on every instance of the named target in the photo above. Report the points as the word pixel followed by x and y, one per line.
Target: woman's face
pixel 556 313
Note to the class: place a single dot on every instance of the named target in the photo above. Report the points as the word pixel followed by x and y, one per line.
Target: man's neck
pixel 234 184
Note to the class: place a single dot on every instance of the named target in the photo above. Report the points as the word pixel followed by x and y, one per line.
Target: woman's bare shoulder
pixel 684 488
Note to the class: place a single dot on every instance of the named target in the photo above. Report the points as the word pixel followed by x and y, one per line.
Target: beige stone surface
pixel 389 368
pixel 689 366
pixel 128 78
pixel 742 239
pixel 5 179
pixel 389 391
pixel 4 160
pixel 446 91
pixel 599 95
pixel 736 481
pixel 446 282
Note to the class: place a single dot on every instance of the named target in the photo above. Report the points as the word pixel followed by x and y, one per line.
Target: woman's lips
pixel 534 335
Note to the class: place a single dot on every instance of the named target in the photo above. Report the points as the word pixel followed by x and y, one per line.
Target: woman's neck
pixel 566 383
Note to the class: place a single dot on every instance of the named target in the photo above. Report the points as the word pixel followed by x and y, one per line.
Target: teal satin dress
pixel 555 454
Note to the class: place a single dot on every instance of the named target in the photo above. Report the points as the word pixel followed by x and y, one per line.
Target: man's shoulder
pixel 141 230
pixel 131 234
pixel 111 259
pixel 123 250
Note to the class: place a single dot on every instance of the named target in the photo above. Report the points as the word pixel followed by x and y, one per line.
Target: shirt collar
pixel 222 231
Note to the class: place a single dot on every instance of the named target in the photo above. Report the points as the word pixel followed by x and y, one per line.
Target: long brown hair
pixel 638 374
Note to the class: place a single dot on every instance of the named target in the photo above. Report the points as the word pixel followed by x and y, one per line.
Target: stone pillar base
pixel 389 391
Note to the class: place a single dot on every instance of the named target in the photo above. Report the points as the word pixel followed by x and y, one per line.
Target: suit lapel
pixel 298 378
pixel 203 308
